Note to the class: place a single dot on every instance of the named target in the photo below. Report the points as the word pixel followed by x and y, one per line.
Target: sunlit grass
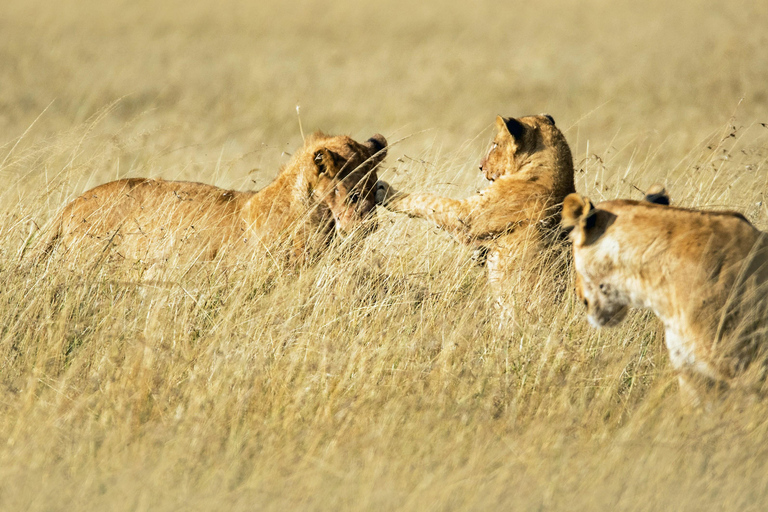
pixel 379 378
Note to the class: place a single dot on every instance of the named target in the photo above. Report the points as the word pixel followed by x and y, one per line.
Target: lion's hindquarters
pixel 153 221
pixel 742 327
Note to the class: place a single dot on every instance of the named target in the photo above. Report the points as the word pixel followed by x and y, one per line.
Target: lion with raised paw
pixel 513 221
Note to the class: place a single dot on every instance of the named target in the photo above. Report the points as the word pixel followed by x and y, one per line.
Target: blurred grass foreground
pixel 382 381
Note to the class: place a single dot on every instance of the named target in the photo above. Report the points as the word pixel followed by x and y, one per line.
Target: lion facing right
pixel 703 273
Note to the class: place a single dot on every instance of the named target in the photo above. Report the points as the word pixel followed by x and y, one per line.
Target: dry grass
pixel 380 381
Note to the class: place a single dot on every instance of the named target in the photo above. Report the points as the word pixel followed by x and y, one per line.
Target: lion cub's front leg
pixel 449 214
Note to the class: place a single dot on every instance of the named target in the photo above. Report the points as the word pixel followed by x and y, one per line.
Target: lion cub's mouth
pixel 360 230
pixel 599 321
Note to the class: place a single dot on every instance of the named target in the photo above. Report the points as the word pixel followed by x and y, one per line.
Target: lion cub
pixel 326 188
pixel 515 219
pixel 703 273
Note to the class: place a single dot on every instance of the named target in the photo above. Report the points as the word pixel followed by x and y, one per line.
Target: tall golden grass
pixel 382 380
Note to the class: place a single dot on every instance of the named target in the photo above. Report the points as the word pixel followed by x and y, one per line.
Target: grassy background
pixel 380 382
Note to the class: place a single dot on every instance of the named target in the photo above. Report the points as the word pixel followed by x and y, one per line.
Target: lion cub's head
pixel 344 178
pixel 520 140
pixel 601 283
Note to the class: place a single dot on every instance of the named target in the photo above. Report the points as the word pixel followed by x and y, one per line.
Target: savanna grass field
pixel 379 378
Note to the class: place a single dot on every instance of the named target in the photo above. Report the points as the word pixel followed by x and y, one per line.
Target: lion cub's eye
pixel 354 197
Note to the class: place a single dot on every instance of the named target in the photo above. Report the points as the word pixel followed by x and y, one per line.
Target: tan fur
pixel 704 274
pixel 531 170
pixel 327 186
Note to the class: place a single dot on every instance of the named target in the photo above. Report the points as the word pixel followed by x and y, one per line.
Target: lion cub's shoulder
pixel 650 218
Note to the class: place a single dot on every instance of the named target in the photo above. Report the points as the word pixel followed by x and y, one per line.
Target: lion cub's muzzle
pixel 362 229
pixel 607 317
pixel 358 219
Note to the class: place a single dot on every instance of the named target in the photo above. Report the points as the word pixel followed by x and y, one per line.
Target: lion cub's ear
pixel 575 207
pixel 548 118
pixel 657 194
pixel 324 163
pixel 511 126
pixel 578 215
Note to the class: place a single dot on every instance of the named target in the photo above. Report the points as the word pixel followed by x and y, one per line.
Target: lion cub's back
pixel 146 218
pixel 723 244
